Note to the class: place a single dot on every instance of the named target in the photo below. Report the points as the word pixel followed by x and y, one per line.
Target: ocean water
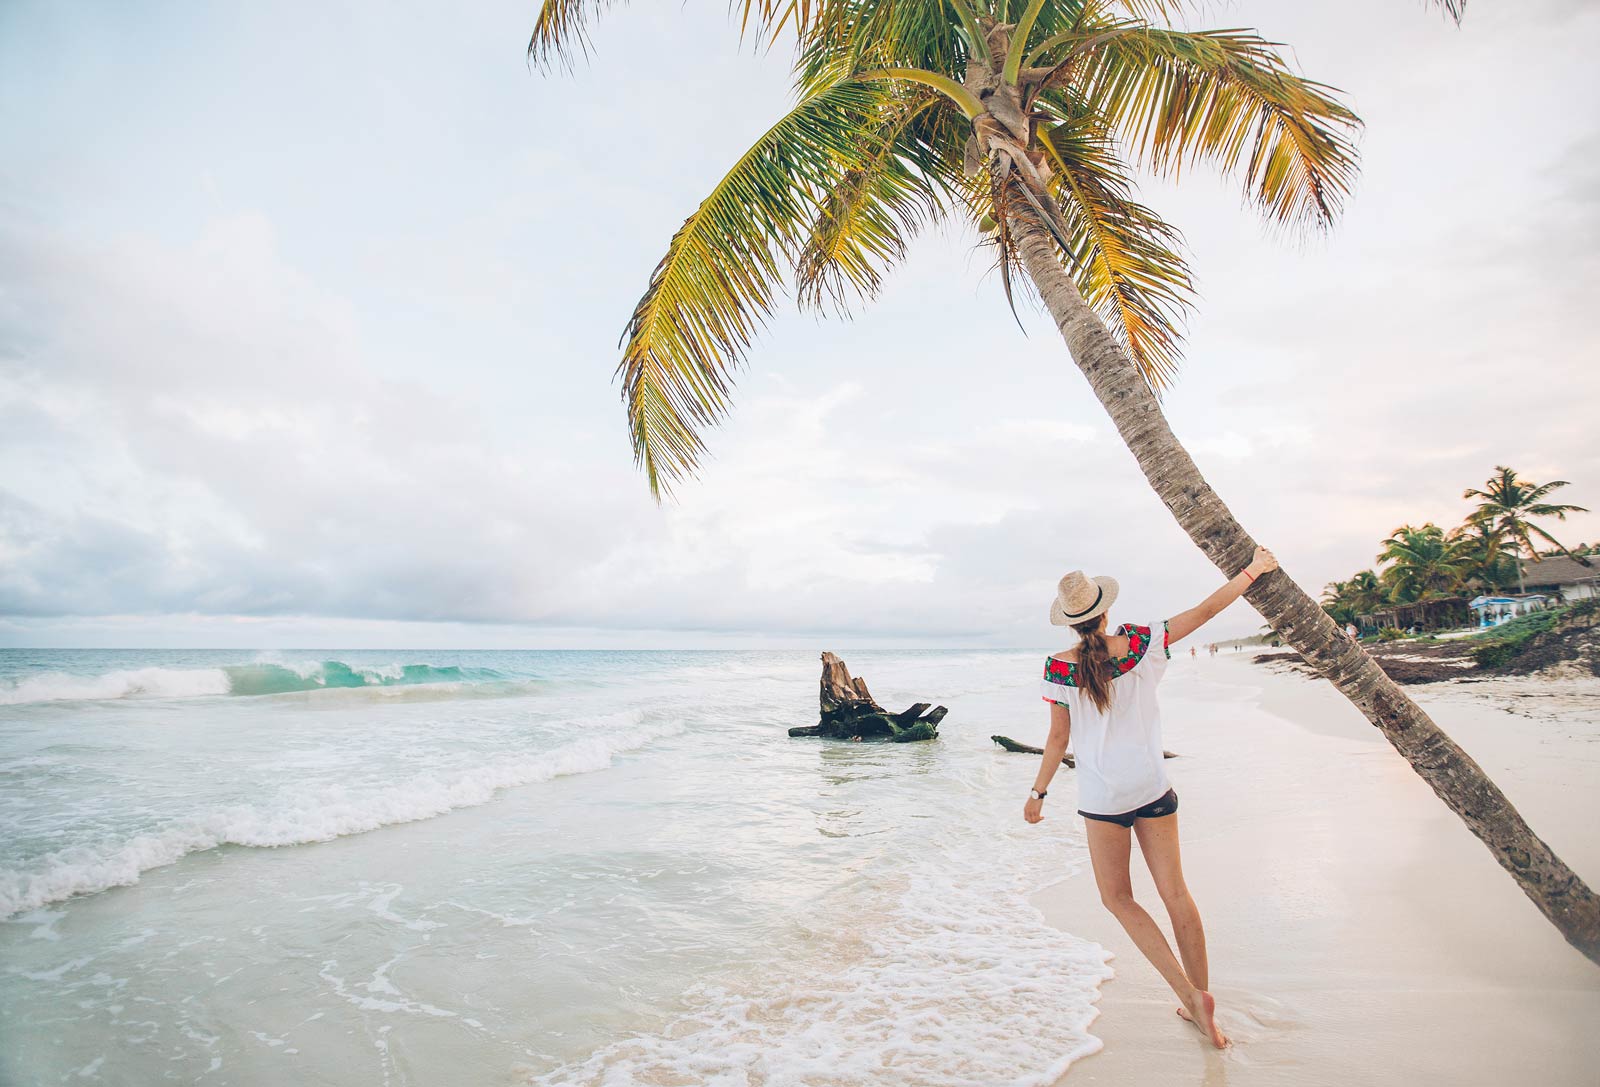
pixel 359 867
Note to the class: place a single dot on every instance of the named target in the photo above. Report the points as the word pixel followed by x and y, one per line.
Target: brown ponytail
pixel 1094 678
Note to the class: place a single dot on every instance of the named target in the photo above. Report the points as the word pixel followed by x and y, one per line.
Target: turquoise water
pixel 523 867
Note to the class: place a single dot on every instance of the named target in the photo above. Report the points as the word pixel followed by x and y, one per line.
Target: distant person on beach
pixel 1103 692
pixel 1351 632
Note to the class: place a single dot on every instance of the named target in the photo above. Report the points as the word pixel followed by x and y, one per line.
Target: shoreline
pixel 1356 929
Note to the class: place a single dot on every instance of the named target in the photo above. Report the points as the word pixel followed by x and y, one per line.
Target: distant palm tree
pixel 1490 565
pixel 1423 564
pixel 1028 118
pixel 1367 593
pixel 1507 504
pixel 1364 593
pixel 1336 601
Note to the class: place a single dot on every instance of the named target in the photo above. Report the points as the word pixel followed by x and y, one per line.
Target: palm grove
pixel 1025 120
pixel 1486 553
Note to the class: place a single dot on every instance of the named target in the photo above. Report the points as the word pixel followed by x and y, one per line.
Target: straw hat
pixel 1079 598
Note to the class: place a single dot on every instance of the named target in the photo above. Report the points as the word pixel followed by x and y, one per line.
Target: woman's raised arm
pixel 1185 623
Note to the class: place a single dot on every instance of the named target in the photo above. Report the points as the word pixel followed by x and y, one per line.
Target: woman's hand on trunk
pixel 1262 562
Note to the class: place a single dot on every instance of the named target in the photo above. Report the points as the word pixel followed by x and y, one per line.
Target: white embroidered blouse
pixel 1120 765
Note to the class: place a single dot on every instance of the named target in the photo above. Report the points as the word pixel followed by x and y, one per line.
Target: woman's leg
pixel 1158 841
pixel 1109 846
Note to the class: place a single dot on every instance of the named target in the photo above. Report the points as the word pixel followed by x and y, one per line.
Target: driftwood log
pixel 849 712
pixel 1011 745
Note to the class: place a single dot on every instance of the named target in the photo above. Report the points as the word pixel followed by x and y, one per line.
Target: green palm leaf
pixel 877 206
pixel 715 285
pixel 1124 257
pixel 848 36
pixel 561 24
pixel 886 131
pixel 1225 97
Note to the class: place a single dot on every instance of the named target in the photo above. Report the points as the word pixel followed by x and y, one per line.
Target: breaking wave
pixel 255 678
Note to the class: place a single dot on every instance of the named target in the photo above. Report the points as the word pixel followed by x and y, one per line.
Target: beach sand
pixel 1357 931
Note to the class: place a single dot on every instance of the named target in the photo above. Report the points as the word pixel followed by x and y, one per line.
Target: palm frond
pixel 562 25
pixel 1151 10
pixel 714 287
pixel 847 36
pixel 977 44
pixel 1225 97
pixel 1537 491
pixel 877 206
pixel 1124 257
pixel 1549 509
pixel 1551 540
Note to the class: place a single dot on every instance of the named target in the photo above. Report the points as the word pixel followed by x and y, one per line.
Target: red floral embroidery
pixel 1066 672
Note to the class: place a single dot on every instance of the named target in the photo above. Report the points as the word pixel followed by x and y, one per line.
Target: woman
pixel 1104 690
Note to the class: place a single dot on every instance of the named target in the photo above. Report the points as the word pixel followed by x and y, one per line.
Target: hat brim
pixel 1108 595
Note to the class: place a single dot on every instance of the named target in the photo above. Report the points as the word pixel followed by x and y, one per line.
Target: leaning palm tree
pixel 1026 118
pixel 1507 505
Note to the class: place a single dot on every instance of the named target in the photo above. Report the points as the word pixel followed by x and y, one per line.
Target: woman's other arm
pixel 1055 749
pixel 1185 623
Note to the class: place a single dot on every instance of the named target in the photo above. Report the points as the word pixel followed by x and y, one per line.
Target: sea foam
pixel 953 979
pixel 128 683
pixel 262 677
pixel 312 814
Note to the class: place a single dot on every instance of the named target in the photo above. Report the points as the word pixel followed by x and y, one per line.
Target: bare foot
pixel 1202 1012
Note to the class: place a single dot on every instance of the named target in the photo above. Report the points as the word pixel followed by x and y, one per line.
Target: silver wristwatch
pixel 1035 794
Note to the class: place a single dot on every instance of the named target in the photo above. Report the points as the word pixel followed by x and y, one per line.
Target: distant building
pixel 1491 611
pixel 1562 578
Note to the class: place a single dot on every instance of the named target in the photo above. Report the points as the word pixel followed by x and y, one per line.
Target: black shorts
pixel 1165 804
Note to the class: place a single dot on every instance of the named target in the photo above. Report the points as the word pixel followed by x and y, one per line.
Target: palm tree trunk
pixel 1459 781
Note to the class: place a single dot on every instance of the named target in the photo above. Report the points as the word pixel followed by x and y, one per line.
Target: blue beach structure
pixel 1491 611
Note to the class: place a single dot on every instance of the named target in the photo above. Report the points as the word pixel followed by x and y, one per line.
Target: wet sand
pixel 1357 931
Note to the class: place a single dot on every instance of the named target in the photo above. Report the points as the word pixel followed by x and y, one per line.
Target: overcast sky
pixel 309 315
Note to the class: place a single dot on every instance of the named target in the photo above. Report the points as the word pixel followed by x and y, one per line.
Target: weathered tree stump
pixel 849 712
pixel 1011 745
